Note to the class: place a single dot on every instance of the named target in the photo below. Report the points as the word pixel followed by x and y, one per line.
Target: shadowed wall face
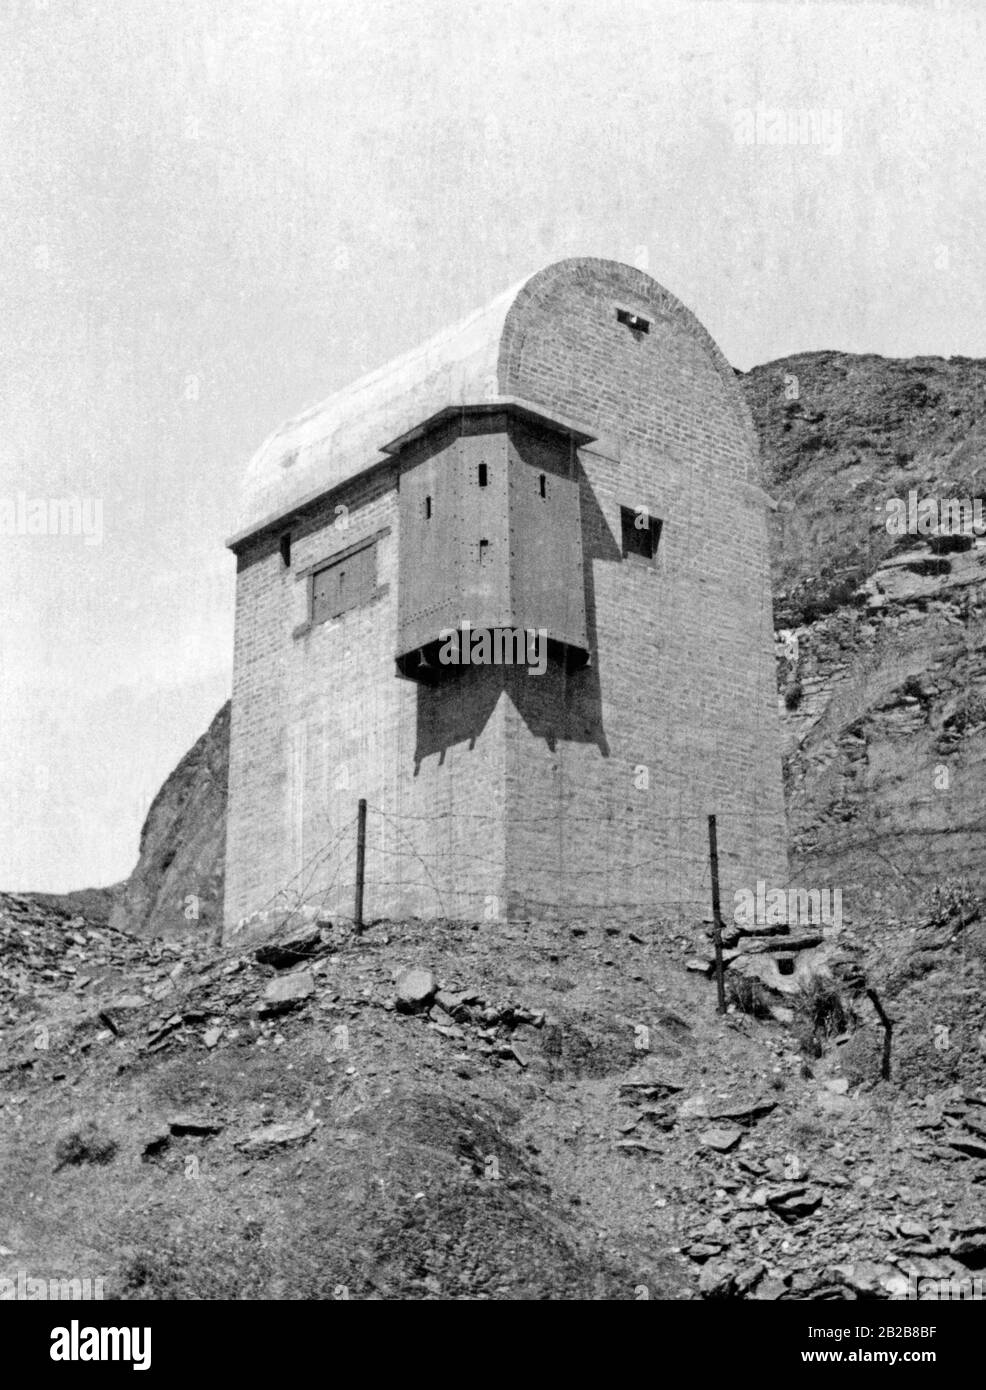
pixel 681 690
pixel 499 790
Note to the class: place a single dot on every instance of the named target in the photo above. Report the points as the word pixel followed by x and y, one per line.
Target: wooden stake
pixel 360 863
pixel 888 1031
pixel 716 915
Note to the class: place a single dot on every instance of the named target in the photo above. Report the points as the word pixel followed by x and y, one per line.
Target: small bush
pixel 917 395
pixel 813 443
pixel 87 1144
pixel 820 1014
pixel 840 595
pixel 748 996
pixel 954 901
pixel 820 597
pixel 793 694
pixel 970 713
pixel 807 1132
pixel 861 1057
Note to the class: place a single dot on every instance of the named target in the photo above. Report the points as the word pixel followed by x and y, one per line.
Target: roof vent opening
pixel 635 321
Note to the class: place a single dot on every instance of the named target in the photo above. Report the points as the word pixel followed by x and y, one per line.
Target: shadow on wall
pixel 559 706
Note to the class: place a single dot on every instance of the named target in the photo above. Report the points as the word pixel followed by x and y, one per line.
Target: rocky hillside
pixel 432 1112
pixel 882 666
pixel 177 885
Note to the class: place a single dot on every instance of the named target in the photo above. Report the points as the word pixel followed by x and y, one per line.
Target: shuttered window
pixel 344 584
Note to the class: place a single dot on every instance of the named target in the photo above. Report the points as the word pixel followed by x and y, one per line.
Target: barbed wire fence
pixel 406 857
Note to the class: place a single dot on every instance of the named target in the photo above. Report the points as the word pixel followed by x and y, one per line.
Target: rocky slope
pixel 882 666
pixel 424 1112
pixel 177 884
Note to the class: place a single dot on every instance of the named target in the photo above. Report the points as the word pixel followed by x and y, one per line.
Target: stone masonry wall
pixel 677 716
pixel 501 792
pixel 320 719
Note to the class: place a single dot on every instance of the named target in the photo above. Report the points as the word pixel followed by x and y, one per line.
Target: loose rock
pixel 722 1139
pixel 415 989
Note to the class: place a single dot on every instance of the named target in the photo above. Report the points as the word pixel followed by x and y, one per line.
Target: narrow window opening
pixel 482 475
pixel 427 509
pixel 641 533
pixel 633 321
pixel 484 547
pixel 543 485
pixel 286 550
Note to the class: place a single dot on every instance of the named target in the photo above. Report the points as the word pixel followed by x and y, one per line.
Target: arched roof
pixel 470 363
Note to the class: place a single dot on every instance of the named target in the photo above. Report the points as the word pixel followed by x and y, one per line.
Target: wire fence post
pixel 888 1032
pixel 360 863
pixel 716 914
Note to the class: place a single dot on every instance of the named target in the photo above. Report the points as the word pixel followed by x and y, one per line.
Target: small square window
pixel 641 533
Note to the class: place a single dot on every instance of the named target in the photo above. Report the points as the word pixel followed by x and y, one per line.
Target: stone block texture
pixel 499 793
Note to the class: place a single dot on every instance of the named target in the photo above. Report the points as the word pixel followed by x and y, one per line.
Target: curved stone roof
pixel 473 362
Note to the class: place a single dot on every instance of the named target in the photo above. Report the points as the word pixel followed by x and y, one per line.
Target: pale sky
pixel 216 212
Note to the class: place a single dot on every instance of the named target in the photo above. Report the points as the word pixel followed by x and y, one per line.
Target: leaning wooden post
pixel 716 914
pixel 888 1031
pixel 360 863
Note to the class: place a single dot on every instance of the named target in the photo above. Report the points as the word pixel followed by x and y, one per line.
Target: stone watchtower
pixel 575 459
